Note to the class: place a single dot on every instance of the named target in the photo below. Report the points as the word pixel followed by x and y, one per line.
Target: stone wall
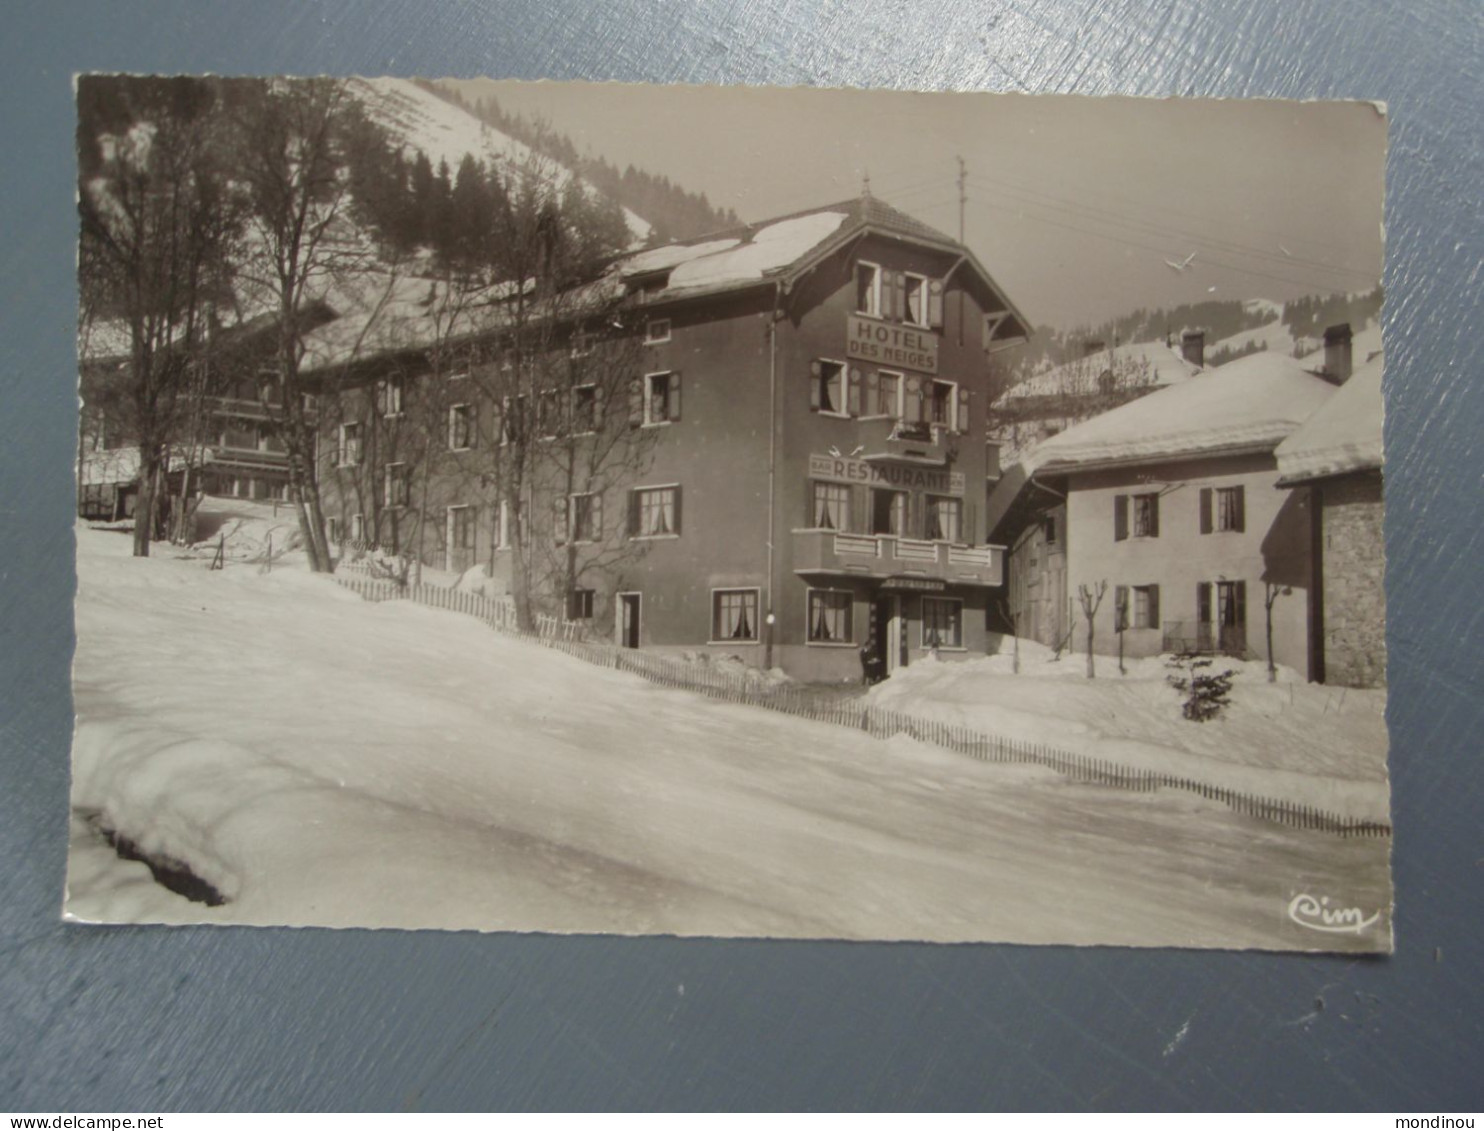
pixel 1354 565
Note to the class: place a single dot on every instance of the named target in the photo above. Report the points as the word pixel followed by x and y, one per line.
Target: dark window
pixel 580 604
pixel 827 390
pixel 734 614
pixel 829 617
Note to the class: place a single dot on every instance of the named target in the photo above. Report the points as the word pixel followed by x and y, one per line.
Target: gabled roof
pixel 787 247
pixel 1343 436
pixel 1252 404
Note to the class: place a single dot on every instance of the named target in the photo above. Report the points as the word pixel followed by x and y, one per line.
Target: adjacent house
pixel 1176 534
pixel 1334 459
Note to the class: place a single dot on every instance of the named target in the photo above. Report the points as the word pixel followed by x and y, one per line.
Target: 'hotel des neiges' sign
pixel 886 343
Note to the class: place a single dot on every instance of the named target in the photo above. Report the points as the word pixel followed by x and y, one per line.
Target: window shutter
pixel 816 371
pixel 1154 621
pixel 860 502
pixel 600 402
pixel 675 395
pixel 1120 518
pixel 636 401
pixel 1203 602
pixel 633 514
pixel 1120 608
pixel 1154 516
pixel 935 304
pixel 873 393
pixel 853 392
pixel 559 519
pixel 914 405
pixel 677 510
pixel 1206 524
pixel 898 296
pixel 1240 507
pixel 961 420
pixel 1239 600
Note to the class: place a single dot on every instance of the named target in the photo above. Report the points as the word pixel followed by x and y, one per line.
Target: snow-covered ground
pixel 325 761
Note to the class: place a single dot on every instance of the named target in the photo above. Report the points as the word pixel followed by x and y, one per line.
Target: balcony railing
pixel 1205 638
pixel 886 555
pixel 904 442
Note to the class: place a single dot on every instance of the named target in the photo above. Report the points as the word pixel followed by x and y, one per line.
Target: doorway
pixel 627 629
pixel 887 637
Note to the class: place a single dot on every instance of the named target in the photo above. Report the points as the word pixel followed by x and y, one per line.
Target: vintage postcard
pixel 730 512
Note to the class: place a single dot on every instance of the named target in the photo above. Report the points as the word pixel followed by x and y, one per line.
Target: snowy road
pixel 325 761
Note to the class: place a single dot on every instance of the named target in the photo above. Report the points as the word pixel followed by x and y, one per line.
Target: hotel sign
pixel 901 478
pixel 917 584
pixel 888 343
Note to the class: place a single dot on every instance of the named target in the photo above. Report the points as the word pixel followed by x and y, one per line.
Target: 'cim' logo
pixel 1318 915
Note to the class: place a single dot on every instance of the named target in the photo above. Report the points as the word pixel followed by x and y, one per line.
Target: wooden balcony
pixel 885 556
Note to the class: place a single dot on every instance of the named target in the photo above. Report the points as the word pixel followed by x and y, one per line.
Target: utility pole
pixel 963 197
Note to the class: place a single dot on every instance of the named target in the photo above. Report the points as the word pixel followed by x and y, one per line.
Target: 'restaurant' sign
pixel 888 343
pixel 902 478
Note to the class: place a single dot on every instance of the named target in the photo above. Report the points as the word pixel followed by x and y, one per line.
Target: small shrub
pixel 1206 692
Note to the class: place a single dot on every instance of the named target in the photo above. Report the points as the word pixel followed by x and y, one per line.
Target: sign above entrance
pixel 930 479
pixel 887 343
pixel 916 584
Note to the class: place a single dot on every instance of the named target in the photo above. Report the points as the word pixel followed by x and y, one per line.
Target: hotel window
pixel 512 419
pixel 398 485
pixel 1135 607
pixel 940 402
pixel 915 288
pixel 888 511
pixel 580 518
pixel 944 519
pixel 350 445
pixel 389 396
pixel 1145 516
pixel 461 528
pixel 734 615
pixel 358 528
pixel 942 622
pixel 548 414
pixel 830 509
pixel 654 512
pixel 829 616
pixel 460 427
pixel 580 604
pixel 655 399
pixel 1223 509
pixel 585 409
pixel 888 395
pixel 656 330
pixel 868 289
pixel 827 387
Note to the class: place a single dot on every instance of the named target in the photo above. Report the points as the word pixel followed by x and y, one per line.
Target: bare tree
pixel 158 223
pixel 1091 599
pixel 292 136
pixel 1271 593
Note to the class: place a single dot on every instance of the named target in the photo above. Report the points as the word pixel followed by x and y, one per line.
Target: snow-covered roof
pixel 771 248
pixel 1343 435
pixel 1134 365
pixel 1254 403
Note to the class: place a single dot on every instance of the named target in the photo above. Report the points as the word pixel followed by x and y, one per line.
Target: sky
pixel 1082 208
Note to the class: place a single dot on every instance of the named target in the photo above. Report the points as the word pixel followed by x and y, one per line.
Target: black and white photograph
pixel 777 513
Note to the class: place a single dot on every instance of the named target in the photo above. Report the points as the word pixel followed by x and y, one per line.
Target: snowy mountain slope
pixel 324 761
pixel 419 119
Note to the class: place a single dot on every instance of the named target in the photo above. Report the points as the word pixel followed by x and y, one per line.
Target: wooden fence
pixel 750 688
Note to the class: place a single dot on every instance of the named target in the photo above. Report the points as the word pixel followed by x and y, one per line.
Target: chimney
pixel 1338 361
pixel 1193 347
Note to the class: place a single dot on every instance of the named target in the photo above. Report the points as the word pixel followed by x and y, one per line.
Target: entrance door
pixel 628 620
pixel 887 635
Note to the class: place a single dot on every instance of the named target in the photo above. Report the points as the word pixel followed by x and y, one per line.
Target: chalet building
pixel 805 399
pixel 1171 506
pixel 1335 459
